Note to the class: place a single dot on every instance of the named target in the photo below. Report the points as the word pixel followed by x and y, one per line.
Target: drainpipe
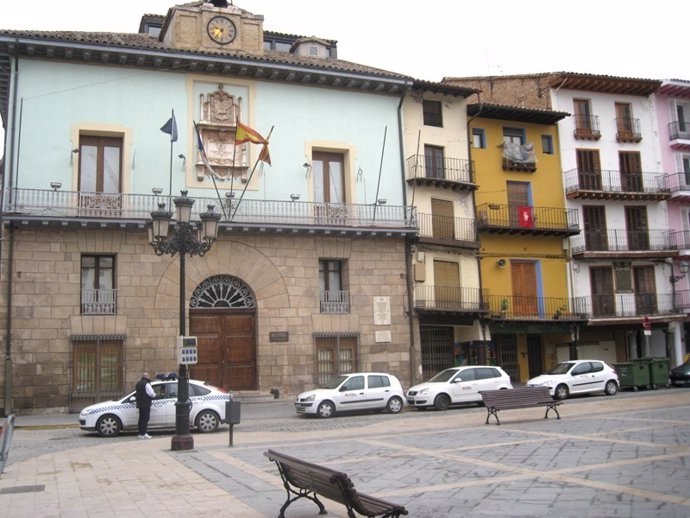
pixel 8 183
pixel 474 205
pixel 408 244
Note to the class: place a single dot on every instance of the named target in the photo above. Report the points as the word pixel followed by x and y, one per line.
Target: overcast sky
pixel 430 39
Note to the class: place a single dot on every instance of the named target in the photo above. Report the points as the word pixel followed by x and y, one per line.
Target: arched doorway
pixel 222 315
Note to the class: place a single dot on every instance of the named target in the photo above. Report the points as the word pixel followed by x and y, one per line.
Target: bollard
pixel 232 416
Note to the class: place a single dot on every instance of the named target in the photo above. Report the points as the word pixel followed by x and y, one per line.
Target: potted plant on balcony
pixel 504 307
pixel 560 311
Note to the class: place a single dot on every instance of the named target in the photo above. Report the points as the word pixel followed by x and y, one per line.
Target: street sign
pixel 647 326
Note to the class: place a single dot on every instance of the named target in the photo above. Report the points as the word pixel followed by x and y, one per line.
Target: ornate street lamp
pixel 185 240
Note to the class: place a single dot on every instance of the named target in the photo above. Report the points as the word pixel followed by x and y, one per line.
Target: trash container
pixel 659 369
pixel 632 375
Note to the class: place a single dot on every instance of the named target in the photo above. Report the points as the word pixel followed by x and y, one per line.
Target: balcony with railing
pixel 447 231
pixel 519 157
pixel 617 243
pixel 679 185
pixel 335 301
pixel 681 240
pixel 453 299
pixel 447 173
pixel 628 129
pixel 586 127
pixel 629 305
pixel 64 208
pixel 679 135
pixel 517 307
pixel 496 218
pixel 616 185
pixel 98 302
pixel 682 301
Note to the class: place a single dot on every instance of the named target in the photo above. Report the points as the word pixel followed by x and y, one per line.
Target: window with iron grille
pixel 433 113
pixel 98 294
pixel 335 354
pixel 97 367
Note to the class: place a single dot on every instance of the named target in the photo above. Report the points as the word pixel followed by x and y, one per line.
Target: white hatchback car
pixel 458 385
pixel 354 391
pixel 109 418
pixel 578 377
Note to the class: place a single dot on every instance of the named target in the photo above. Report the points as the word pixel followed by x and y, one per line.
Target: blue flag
pixel 170 128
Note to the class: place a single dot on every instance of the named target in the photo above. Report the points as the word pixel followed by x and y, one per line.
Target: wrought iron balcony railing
pixel 516 307
pixel 628 129
pixel 98 302
pixel 622 305
pixel 428 169
pixel 622 240
pixel 449 298
pixel 679 130
pixel 587 127
pixel 615 184
pixel 525 219
pixel 335 301
pixel 447 228
pixel 65 205
pixel 678 182
pixel 682 301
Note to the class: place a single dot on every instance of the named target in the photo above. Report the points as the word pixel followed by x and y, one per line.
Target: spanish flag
pixel 246 134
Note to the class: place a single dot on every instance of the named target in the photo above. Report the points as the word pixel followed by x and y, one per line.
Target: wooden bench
pixel 524 397
pixel 306 480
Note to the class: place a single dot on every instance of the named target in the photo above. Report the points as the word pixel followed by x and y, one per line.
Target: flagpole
pixel 250 177
pixel 170 180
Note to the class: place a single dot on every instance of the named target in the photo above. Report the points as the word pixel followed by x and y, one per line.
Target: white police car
pixel 109 418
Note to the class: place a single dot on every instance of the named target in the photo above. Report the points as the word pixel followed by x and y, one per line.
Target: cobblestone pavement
pixel 607 457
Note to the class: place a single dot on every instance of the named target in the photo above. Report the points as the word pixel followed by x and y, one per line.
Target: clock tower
pixel 215 25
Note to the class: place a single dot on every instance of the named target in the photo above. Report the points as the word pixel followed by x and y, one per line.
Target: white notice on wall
pixel 382 336
pixel 382 311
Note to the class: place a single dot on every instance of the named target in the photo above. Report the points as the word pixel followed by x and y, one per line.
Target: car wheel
pixel 326 409
pixel 561 392
pixel 395 405
pixel 207 421
pixel 108 426
pixel 611 388
pixel 442 402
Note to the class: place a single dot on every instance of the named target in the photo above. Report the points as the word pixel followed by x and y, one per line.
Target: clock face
pixel 221 30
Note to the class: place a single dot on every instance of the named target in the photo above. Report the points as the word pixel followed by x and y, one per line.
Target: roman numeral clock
pixel 221 30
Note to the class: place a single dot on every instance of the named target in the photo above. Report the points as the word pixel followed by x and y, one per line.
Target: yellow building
pixel 523 226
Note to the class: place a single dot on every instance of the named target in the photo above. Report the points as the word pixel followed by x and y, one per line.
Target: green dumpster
pixel 632 375
pixel 658 372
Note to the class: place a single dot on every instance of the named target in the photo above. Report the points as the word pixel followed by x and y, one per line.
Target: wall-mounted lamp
pixel 55 185
pixel 683 268
pixel 181 156
pixel 382 201
pixel 306 165
pixel 156 190
pixel 501 263
pixel 75 150
pixel 294 197
pixel 576 267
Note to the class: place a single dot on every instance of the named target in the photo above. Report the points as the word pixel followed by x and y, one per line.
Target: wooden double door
pixel 226 347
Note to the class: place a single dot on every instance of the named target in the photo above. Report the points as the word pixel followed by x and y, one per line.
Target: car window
pixel 582 368
pixel 443 376
pixel 561 368
pixel 484 373
pixel 170 390
pixel 466 375
pixel 354 383
pixel 597 366
pixel 378 381
pixel 198 390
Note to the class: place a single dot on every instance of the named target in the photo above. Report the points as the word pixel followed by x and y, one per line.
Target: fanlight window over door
pixel 222 291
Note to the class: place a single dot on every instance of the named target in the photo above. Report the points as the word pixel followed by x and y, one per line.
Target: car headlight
pixel 423 392
pixel 542 384
pixel 309 398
